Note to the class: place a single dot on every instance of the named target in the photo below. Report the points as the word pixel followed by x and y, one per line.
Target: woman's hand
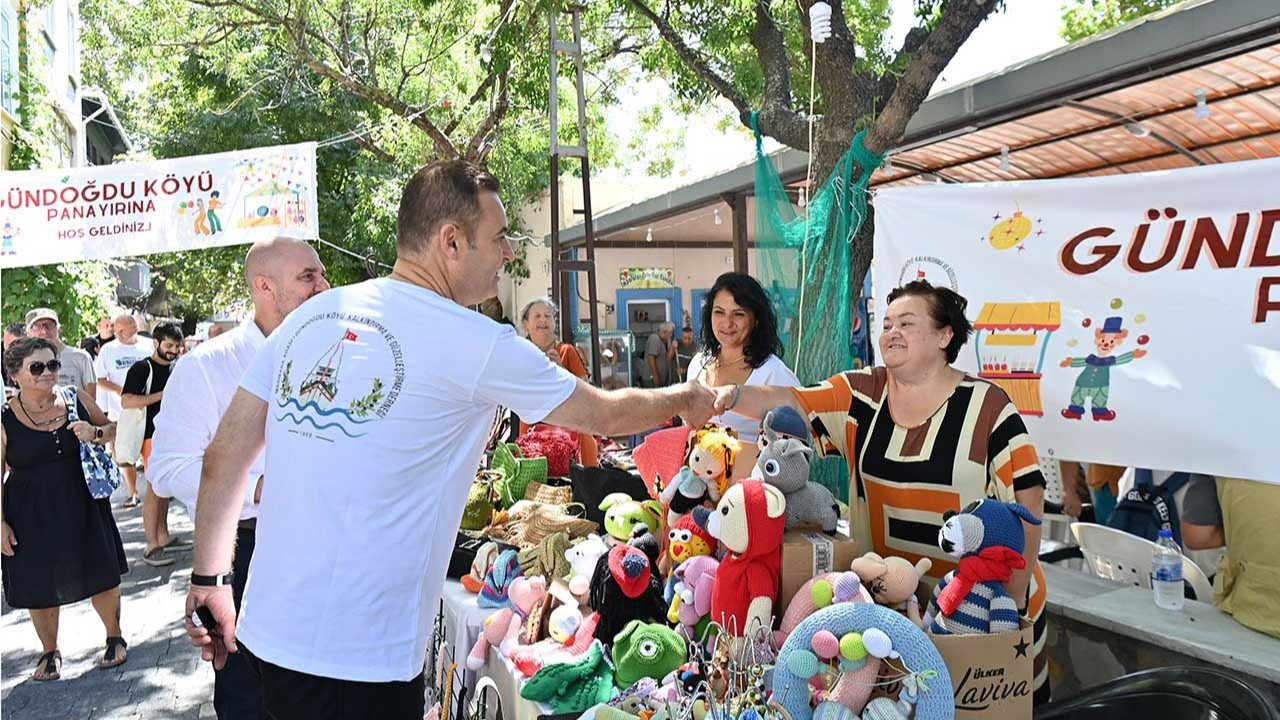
pixel 84 431
pixel 8 541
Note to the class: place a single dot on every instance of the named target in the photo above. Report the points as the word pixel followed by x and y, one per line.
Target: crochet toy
pixel 784 463
pixel 883 708
pixel 749 523
pixel 623 514
pixel 502 627
pixel 529 659
pixel 784 422
pixel 547 558
pixel 574 686
pixel 893 581
pixel 473 581
pixel 497 582
pixel 707 474
pixel 624 588
pixel 689 538
pixel 690 601
pixel 646 650
pixel 855 637
pixel 818 593
pixel 988 538
pixel 582 559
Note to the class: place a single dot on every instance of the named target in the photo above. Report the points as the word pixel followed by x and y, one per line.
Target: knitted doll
pixel 624 588
pixel 893 581
pixel 623 514
pixel 687 539
pixel 988 538
pixel 784 463
pixel 785 422
pixel 646 650
pixel 502 627
pixel 707 474
pixel 749 523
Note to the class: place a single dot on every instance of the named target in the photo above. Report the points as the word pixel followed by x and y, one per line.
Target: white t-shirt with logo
pixel 113 363
pixel 380 396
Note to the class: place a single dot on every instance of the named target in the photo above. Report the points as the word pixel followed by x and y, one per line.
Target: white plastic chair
pixel 1117 555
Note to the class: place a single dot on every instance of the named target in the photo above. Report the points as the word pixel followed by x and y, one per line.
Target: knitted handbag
pixel 100 472
pixel 518 472
pixel 482 500
pixel 550 492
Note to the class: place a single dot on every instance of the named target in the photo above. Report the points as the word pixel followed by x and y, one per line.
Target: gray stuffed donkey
pixel 784 463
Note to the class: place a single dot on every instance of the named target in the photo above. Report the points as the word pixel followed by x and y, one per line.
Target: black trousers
pixel 237 687
pixel 291 695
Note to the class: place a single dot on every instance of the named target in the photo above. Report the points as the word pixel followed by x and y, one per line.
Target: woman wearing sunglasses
pixel 59 545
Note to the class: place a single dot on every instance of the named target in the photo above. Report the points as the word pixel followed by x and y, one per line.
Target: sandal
pixel 131 502
pixel 48 667
pixel 176 543
pixel 157 557
pixel 115 654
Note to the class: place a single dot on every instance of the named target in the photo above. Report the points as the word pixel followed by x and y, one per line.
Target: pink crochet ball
pixel 825 644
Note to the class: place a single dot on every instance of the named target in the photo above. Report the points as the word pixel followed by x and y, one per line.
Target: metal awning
pixel 1196 84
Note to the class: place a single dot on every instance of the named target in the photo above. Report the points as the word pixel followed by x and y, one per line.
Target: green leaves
pixel 1082 18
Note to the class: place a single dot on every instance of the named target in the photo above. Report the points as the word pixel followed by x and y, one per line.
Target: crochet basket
pixel 661 456
pixel 918 653
pixel 518 472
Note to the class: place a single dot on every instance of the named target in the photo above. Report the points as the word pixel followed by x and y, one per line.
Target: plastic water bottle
pixel 1166 572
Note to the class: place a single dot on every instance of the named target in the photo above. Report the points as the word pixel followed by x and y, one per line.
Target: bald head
pixel 126 329
pixel 282 273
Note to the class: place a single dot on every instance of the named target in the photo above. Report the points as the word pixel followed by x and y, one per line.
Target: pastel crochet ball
pixel 877 643
pixel 847 587
pixel 852 647
pixel 822 593
pixel 825 645
pixel 803 663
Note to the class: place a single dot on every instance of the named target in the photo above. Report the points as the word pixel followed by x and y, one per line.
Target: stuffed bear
pixel 623 514
pixel 893 581
pixel 784 463
pixel 749 522
pixel 582 559
pixel 988 538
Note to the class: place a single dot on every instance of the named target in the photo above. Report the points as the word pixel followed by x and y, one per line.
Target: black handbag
pixel 592 484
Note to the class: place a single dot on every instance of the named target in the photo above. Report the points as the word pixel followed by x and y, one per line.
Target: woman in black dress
pixel 59 545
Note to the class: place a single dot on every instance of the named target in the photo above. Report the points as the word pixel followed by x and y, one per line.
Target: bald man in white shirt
pixel 281 274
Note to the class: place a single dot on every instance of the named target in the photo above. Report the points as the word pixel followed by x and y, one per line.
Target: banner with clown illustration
pixel 1133 319
pixel 52 216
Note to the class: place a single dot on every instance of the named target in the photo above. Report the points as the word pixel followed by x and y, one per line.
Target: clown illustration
pixel 8 235
pixel 1094 382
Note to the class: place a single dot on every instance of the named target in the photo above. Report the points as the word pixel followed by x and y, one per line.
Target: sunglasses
pixel 37 368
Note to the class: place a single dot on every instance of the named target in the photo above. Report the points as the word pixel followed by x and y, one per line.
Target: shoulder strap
pixel 1175 482
pixel 69 397
pixel 1143 477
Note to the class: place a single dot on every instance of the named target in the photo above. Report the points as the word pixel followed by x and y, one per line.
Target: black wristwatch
pixel 212 580
pixel 98 434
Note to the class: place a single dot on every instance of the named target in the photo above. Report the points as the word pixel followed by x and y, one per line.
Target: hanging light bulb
pixel 717 216
pixel 485 54
pixel 648 236
pixel 1004 158
pixel 803 197
pixel 819 21
pixel 888 164
pixel 1202 104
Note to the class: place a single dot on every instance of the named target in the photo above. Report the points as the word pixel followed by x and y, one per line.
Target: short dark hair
pixel 686 329
pixel 20 350
pixel 748 293
pixel 946 308
pixel 16 328
pixel 167 331
pixel 438 193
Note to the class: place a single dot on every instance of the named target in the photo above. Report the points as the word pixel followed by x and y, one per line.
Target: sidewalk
pixel 163 678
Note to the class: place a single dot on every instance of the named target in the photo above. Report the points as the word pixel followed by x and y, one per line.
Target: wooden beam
pixel 740 243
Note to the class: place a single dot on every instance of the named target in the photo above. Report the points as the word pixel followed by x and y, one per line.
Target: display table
pixel 508 681
pixel 463 621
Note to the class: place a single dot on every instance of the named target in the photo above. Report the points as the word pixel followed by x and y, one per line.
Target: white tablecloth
pixel 463 621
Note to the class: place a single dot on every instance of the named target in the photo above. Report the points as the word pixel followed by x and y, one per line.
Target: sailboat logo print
pixel 325 401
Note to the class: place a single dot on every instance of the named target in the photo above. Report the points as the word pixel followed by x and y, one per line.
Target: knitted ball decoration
pixel 917 651
pixel 497 582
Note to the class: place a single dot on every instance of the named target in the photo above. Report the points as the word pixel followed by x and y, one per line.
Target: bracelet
pixel 737 395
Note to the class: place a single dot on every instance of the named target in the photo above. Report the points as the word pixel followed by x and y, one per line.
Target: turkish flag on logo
pixel 349 336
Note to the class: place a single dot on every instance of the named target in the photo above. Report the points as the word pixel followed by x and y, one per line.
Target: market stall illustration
pixel 1011 340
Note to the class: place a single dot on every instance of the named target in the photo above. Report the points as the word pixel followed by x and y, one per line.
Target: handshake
pixel 700 402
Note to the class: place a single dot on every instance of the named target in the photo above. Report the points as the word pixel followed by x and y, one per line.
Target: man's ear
pixel 451 238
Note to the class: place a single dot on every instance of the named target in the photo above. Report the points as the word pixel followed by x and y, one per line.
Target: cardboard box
pixel 990 674
pixel 809 553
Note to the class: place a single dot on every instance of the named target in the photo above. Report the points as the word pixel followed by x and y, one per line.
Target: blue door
pixel 697 296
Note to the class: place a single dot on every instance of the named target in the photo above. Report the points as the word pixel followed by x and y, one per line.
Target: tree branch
pixel 777 118
pixel 955 26
pixel 500 108
pixel 372 147
pixel 695 60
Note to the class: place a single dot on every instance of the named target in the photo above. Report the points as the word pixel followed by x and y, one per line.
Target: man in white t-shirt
pixel 372 437
pixel 77 366
pixel 113 363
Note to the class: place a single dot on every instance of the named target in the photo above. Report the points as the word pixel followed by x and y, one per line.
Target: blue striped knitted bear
pixel 988 538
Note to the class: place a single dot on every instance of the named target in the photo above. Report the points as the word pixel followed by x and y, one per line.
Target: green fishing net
pixel 810 284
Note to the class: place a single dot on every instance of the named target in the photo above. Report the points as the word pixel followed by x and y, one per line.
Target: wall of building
pixel 54 39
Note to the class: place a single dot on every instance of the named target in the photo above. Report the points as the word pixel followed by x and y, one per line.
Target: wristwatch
pixel 98 434
pixel 212 580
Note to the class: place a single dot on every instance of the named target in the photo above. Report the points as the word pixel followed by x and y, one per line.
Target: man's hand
pixel 699 404
pixel 214 645
pixel 724 397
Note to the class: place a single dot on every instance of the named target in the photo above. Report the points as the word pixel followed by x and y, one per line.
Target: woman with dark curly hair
pixel 59 545
pixel 740 346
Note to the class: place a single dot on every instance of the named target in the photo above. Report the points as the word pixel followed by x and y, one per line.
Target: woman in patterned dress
pixel 921 438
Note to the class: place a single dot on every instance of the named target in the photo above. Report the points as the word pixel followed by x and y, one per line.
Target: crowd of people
pixel 320 550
